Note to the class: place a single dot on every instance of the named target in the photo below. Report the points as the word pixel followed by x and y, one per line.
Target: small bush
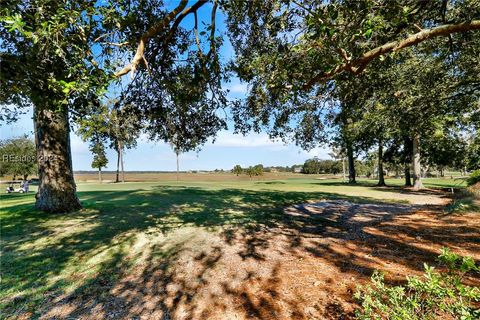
pixel 437 295
pixel 474 178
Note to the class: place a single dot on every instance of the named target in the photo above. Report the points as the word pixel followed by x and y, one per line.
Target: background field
pixel 451 178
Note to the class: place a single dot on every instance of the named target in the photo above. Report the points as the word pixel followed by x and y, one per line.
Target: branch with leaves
pixel 176 16
pixel 356 66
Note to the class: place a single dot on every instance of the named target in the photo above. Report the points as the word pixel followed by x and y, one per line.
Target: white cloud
pixel 228 139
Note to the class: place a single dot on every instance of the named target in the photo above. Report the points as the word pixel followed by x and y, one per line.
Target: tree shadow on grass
pixel 439 190
pixel 175 280
pixel 456 183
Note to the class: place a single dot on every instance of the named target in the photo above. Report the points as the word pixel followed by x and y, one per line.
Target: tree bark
pixel 100 175
pixel 381 177
pixel 343 168
pixel 408 178
pixel 407 159
pixel 417 169
pixel 351 165
pixel 117 176
pixel 57 189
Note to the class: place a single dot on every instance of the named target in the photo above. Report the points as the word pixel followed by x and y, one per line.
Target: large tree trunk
pixel 343 168
pixel 57 189
pixel 417 169
pixel 381 177
pixel 100 175
pixel 351 165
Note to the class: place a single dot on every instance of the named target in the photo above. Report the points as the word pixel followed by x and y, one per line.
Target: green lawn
pixel 52 255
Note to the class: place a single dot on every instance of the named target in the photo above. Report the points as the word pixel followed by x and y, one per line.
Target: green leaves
pixel 436 293
pixel 474 177
pixel 67 86
pixel 368 33
pixel 14 23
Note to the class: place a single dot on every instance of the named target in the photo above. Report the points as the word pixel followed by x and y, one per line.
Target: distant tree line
pixel 392 166
pixel 251 171
pixel 316 166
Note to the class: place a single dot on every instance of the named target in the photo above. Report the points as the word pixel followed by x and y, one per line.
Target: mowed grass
pixel 57 256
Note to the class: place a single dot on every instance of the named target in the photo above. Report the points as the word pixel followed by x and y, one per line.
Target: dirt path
pixel 306 267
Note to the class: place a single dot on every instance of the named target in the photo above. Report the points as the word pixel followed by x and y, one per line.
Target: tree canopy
pixel 314 70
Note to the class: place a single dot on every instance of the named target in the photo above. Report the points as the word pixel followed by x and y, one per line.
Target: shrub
pixel 438 295
pixel 474 178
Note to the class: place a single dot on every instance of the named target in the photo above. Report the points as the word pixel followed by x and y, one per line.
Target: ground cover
pixel 231 249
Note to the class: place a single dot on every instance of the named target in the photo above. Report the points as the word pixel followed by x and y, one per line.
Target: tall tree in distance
pixel 423 100
pixel 237 170
pixel 113 125
pixel 94 129
pixel 123 130
pixel 99 158
pixel 351 97
pixel 174 144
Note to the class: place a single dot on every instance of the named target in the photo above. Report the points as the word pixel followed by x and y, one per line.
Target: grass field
pixel 131 250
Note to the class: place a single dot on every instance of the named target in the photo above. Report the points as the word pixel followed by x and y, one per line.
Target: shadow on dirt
pixel 176 282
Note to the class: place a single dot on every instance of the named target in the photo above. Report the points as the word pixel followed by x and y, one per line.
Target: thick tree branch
pixel 102 36
pixel 356 66
pixel 197 39
pixel 212 26
pixel 186 12
pixel 121 44
pixel 155 30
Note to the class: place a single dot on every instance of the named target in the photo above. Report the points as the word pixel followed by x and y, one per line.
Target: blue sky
pixel 228 150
